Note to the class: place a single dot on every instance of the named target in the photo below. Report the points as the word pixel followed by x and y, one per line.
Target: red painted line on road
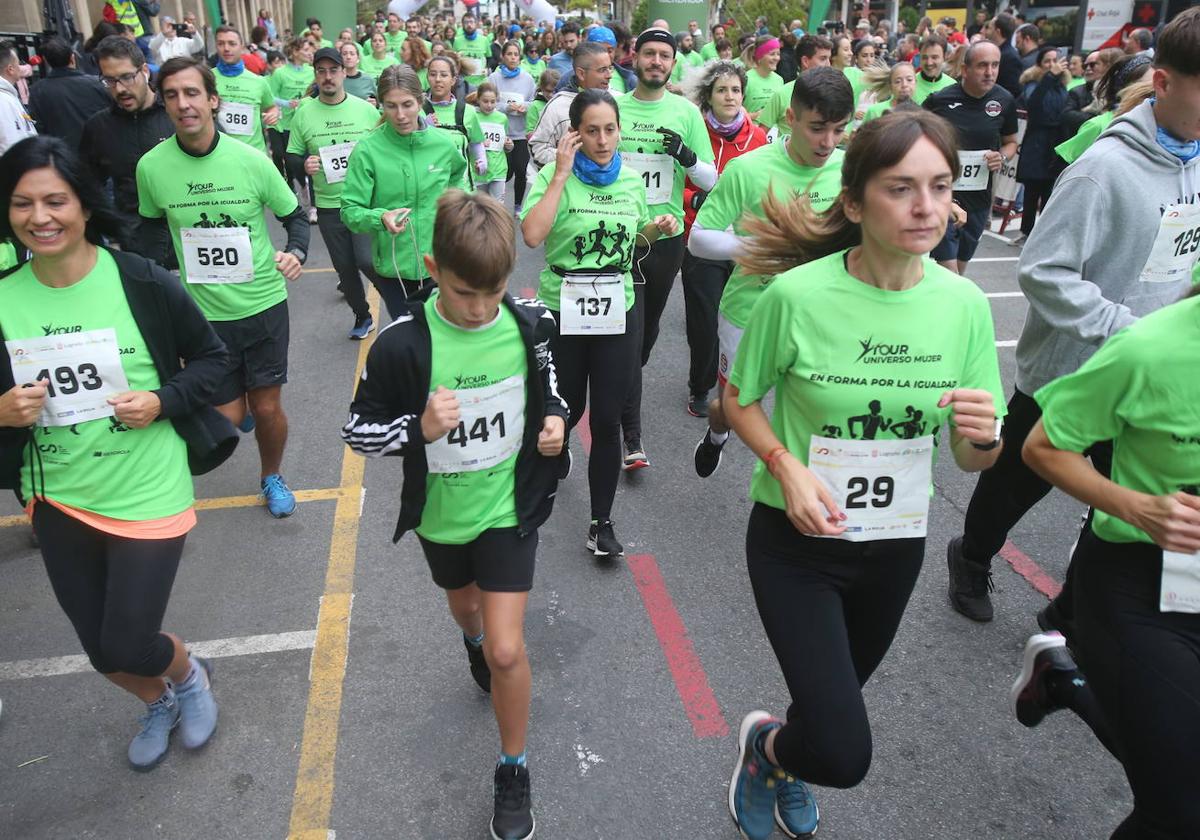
pixel 1025 566
pixel 528 292
pixel 690 680
pixel 584 429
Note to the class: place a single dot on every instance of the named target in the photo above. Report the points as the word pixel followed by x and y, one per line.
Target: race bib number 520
pixel 83 370
pixel 217 255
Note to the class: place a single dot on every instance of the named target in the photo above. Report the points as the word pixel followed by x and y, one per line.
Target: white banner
pixel 405 8
pixel 1104 18
pixel 1005 182
pixel 539 10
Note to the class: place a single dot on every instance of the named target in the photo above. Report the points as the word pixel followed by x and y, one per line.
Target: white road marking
pixel 1005 294
pixel 216 649
pixel 994 259
pixel 1012 343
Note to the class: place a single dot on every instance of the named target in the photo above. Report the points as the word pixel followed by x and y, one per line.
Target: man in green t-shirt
pixel 247 103
pixel 811 51
pixel 464 389
pixel 687 58
pixel 665 140
pixel 709 51
pixel 474 46
pixel 323 135
pixel 933 58
pixel 212 192
pixel 808 163
pixel 395 33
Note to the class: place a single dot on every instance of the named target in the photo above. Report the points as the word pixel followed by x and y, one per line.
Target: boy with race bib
pixel 463 388
pixel 842 494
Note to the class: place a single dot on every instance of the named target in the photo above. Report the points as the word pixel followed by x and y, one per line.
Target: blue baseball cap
pixel 602 35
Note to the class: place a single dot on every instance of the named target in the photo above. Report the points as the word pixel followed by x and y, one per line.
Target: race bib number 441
pixel 490 429
pixel 83 369
pixel 881 485
pixel 217 255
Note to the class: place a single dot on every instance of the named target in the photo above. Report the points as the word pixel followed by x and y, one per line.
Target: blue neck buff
pixel 592 173
pixel 1185 150
pixel 235 69
pixel 509 74
pixel 471 36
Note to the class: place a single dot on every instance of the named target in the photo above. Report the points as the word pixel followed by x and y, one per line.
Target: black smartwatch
pixel 988 447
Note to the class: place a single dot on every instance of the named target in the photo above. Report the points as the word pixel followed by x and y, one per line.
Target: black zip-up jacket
pixel 63 101
pixel 114 141
pixel 385 417
pixel 175 331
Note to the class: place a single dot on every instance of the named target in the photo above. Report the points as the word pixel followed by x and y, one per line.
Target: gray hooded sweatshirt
pixel 1082 267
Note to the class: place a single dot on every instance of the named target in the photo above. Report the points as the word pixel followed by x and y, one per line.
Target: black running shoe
pixel 698 405
pixel 479 667
pixel 512 818
pixel 970 584
pixel 635 456
pixel 1030 695
pixel 602 542
pixel 708 455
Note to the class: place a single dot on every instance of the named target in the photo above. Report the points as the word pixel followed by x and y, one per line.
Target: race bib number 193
pixel 83 369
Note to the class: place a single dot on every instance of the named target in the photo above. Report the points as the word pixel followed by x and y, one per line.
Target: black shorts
pixel 258 352
pixel 960 243
pixel 498 560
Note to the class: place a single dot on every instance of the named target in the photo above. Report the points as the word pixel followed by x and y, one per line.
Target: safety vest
pixel 127 14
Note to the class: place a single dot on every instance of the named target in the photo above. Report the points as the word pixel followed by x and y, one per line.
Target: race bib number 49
pixel 237 118
pixel 881 485
pixel 334 161
pixel 973 172
pixel 83 369
pixel 217 255
pixel 490 429
pixel 658 174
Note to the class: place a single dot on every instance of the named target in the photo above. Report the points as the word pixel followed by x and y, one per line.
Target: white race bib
pixel 511 99
pixel 592 305
pixel 1180 588
pixel 493 137
pixel 658 174
pixel 84 370
pixel 490 429
pixel 881 485
pixel 1176 246
pixel 217 254
pixel 335 160
pixel 238 118
pixel 973 172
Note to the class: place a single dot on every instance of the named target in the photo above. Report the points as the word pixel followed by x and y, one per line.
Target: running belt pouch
pixel 210 439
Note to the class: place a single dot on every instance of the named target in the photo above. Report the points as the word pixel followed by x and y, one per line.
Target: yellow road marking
pixel 312 801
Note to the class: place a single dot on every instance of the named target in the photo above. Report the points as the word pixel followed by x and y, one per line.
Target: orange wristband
pixel 773 457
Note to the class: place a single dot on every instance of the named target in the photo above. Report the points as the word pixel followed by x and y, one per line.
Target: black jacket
pixel 63 101
pixel 174 330
pixel 1011 69
pixel 113 142
pixel 385 417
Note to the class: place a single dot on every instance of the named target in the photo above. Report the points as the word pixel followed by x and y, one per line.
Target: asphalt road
pixel 641 670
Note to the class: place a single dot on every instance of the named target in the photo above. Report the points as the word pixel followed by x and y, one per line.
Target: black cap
pixel 330 53
pixel 660 35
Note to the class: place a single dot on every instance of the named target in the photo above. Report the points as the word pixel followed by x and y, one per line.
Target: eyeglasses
pixel 327 71
pixel 1089 64
pixel 124 80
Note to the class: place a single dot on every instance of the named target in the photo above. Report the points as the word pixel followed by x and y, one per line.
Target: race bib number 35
pixel 881 485
pixel 334 161
pixel 237 118
pixel 217 255
pixel 490 429
pixel 83 369
pixel 658 174
pixel 973 172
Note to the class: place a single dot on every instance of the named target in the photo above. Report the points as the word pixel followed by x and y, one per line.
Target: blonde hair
pixel 878 78
pixel 1134 94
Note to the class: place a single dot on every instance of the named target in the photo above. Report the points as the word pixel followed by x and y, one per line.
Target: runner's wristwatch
pixel 988 447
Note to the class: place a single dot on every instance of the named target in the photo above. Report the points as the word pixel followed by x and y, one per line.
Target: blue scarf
pixel 592 173
pixel 472 36
pixel 1185 150
pixel 510 74
pixel 231 69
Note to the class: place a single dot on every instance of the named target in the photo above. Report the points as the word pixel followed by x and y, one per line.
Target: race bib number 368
pixel 238 118
pixel 83 370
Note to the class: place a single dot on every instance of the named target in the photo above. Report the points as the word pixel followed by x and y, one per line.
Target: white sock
pixel 718 437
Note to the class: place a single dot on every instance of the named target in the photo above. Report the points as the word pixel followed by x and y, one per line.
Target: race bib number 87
pixel 974 173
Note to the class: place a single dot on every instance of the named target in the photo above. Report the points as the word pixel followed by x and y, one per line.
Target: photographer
pixel 176 40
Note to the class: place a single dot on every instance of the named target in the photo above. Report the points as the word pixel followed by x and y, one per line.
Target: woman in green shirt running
pixel 101 344
pixel 761 57
pixel 836 537
pixel 893 88
pixel 380 58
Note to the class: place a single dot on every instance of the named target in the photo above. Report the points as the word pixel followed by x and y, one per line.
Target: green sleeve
pixel 297 145
pixel 471 123
pixel 275 192
pixel 147 207
pixel 697 137
pixel 267 100
pixel 458 162
pixel 724 204
pixel 538 189
pixel 357 191
pixel 645 217
pixel 774 110
pixel 767 349
pixel 274 82
pixel 1089 405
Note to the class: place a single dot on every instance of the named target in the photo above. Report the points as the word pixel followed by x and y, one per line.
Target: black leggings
pixel 602 365
pixel 113 589
pixel 703 283
pixel 830 609
pixel 518 160
pixel 1037 193
pixel 294 175
pixel 1144 668
pixel 654 271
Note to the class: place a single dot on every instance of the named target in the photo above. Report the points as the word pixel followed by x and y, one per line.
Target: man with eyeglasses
pixel 62 102
pixel 114 140
pixel 593 69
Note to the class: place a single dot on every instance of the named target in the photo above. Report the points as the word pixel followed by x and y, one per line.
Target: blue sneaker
pixel 754 782
pixel 247 424
pixel 197 708
pixel 281 501
pixel 149 746
pixel 362 328
pixel 796 812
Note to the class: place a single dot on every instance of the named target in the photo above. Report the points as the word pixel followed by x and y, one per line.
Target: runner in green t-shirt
pixel 808 163
pixel 686 58
pixel 589 208
pixel 664 139
pixel 896 83
pixel 464 389
pixel 357 83
pixel 324 134
pixel 811 51
pixel 444 111
pixel 291 84
pixel 842 491
pixel 396 174
pixel 106 366
pixel 708 52
pixel 474 46
pixel 761 58
pixel 247 103
pixel 212 192
pixel 933 59
pixel 379 58
pixel 395 34
pixel 547 82
pixel 496 144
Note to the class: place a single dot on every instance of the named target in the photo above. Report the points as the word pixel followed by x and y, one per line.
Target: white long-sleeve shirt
pixel 15 122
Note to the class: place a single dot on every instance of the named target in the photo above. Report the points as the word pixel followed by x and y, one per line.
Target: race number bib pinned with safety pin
pixel 490 429
pixel 881 485
pixel 510 99
pixel 217 255
pixel 83 369
pixel 973 171
pixel 1180 588
pixel 238 118
pixel 335 159
pixel 592 304
pixel 1176 246
pixel 493 137
pixel 658 174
